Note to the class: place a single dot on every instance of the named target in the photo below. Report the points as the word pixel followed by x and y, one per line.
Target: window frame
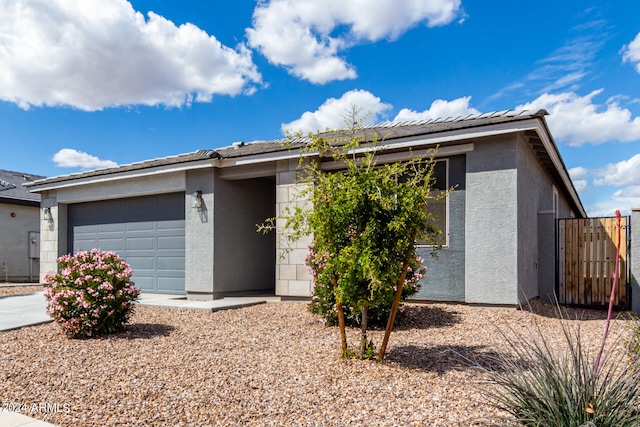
pixel 445 244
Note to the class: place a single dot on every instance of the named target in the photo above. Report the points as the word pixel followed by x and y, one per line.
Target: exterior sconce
pixel 46 213
pixel 196 200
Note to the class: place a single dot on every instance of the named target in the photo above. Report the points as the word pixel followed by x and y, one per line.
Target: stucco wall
pixel 244 259
pixel 537 227
pixel 491 222
pixel 199 262
pixel 130 187
pixel 535 194
pixel 445 275
pixel 14 242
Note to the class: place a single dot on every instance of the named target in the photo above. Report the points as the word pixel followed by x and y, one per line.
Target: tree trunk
pixel 343 333
pixel 394 309
pixel 363 328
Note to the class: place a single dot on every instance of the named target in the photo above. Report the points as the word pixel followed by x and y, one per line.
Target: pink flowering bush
pixel 92 294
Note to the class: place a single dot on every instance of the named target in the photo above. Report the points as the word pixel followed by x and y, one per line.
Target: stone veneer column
pixel 52 234
pixel 293 277
pixel 635 260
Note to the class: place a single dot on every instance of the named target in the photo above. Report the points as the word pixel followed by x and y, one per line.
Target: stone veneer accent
pixel 293 277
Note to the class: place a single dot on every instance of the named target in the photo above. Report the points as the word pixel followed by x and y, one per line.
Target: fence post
pixel 635 260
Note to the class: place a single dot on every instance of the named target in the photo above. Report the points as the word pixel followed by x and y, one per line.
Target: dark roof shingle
pixel 12 189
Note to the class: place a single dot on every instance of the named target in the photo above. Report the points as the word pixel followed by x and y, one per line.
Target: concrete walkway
pixel 16 419
pixel 18 311
pixel 181 302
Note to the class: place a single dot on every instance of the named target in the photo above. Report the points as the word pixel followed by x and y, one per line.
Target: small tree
pixel 365 220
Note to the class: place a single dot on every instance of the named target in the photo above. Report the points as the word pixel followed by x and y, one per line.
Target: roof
pixel 543 146
pixel 12 189
pixel 386 131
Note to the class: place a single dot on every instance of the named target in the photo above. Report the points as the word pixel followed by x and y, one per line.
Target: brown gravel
pixel 6 290
pixel 266 365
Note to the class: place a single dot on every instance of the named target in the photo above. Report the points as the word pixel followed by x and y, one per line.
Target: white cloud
pixel 331 114
pixel 579 176
pixel 618 201
pixel 626 172
pixel 440 108
pixel 94 54
pixel 631 52
pixel 306 37
pixel 624 177
pixel 70 158
pixel 576 120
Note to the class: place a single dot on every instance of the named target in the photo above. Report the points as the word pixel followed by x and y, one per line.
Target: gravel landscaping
pixel 268 365
pixel 6 290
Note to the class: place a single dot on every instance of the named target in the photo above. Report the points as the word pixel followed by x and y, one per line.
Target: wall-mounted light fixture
pixel 46 213
pixel 196 200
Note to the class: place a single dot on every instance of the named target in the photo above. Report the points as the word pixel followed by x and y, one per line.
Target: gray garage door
pixel 148 232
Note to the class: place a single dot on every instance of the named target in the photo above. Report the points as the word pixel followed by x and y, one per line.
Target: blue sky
pixel 86 84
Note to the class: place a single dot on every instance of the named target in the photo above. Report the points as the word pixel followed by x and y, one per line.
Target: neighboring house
pixel 187 224
pixel 19 228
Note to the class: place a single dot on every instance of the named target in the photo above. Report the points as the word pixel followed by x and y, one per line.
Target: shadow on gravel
pixel 444 358
pixel 550 310
pixel 426 317
pixel 144 331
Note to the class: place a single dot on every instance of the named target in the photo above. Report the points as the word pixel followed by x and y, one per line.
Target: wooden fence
pixel 586 261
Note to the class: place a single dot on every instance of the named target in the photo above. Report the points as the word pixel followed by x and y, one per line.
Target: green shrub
pixel 544 386
pixel 323 303
pixel 92 294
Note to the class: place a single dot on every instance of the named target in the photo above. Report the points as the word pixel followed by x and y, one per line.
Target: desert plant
pixel 92 294
pixel 632 339
pixel 542 385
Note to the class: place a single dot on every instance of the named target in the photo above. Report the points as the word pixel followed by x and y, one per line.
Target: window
pixel 438 206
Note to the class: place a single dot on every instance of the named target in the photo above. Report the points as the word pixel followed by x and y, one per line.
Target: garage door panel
pixel 171 243
pixel 145 283
pixel 141 263
pixel 79 229
pixel 114 244
pixel 141 226
pixel 171 264
pixel 140 243
pixel 110 228
pixel 168 285
pixel 84 245
pixel 171 225
pixel 148 232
